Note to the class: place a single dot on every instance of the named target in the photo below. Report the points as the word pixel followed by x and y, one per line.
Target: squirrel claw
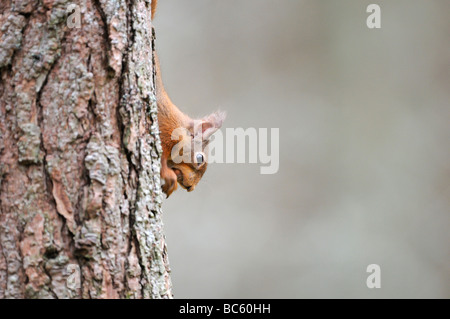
pixel 170 185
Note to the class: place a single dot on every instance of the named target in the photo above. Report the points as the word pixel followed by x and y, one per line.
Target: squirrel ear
pixel 211 123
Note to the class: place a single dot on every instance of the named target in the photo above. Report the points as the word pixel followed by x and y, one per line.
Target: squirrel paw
pixel 170 183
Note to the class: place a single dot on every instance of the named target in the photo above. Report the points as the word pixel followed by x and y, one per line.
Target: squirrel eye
pixel 199 157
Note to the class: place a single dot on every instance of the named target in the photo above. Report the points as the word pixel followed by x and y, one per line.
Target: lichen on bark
pixel 80 152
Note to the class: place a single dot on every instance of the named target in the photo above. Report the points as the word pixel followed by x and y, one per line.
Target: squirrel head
pixel 189 157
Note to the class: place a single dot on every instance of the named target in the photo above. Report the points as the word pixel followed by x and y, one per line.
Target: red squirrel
pixel 193 135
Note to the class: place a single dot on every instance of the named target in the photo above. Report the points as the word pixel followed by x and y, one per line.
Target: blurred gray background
pixel 364 147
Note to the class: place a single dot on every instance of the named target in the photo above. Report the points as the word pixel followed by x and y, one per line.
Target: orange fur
pixel 154 4
pixel 171 118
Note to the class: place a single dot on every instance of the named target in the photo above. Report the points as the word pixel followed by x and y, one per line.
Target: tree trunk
pixel 80 201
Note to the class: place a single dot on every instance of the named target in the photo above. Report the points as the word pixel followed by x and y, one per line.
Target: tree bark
pixel 80 201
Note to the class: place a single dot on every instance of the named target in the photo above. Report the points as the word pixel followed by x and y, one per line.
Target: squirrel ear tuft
pixel 211 123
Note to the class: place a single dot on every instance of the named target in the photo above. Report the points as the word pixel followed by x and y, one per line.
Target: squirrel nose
pixel 190 188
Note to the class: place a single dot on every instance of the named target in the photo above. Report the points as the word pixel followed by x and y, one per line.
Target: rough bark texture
pixel 80 152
